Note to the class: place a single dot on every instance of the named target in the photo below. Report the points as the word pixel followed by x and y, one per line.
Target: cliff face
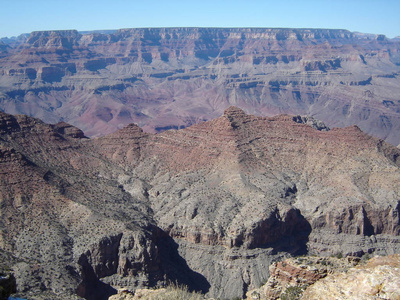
pixel 165 78
pixel 66 233
pixel 210 206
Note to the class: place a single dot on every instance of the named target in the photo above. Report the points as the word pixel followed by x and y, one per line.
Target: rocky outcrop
pixel 67 241
pixel 53 39
pixel 314 123
pixel 290 277
pixel 122 295
pixel 210 206
pixel 378 279
pixel 171 78
pixel 169 293
pixel 68 130
pixel 331 278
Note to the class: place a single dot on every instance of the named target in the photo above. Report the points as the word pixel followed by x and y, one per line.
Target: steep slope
pixel 162 78
pixel 248 187
pixel 254 157
pixel 71 227
pixel 210 206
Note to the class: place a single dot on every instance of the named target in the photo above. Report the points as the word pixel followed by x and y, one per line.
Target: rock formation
pixel 170 78
pixel 290 277
pixel 169 293
pixel 210 206
pixel 378 279
pixel 331 278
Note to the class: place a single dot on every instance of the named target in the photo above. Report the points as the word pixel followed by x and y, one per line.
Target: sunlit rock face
pixel 210 206
pixel 170 78
pixel 379 278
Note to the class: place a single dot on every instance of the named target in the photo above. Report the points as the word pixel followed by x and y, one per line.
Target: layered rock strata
pixel 211 206
pixel 170 78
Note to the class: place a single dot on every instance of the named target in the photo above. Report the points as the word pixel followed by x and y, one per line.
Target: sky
pixel 367 16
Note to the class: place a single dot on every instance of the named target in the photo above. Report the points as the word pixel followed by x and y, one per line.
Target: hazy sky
pixel 368 16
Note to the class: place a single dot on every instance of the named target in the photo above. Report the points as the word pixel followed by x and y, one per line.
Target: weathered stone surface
pixel 210 206
pixel 170 78
pixel 297 274
pixel 378 279
pixel 67 231
pixel 122 295
pixel 317 124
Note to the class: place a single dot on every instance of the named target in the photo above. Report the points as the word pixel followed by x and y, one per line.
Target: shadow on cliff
pixel 289 234
pixel 176 269
pixel 295 235
pixel 91 288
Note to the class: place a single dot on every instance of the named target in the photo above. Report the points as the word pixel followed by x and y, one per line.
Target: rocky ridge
pixel 210 206
pixel 170 78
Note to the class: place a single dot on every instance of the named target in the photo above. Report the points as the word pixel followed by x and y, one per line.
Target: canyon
pixel 211 206
pixel 219 159
pixel 171 78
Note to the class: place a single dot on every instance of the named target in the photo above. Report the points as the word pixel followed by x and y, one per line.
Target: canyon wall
pixel 210 206
pixel 170 78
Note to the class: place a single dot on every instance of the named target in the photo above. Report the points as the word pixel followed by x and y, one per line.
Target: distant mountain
pixel 107 31
pixel 162 78
pixel 15 41
pixel 210 206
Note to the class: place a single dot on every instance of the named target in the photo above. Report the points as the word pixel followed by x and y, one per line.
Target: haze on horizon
pixel 367 16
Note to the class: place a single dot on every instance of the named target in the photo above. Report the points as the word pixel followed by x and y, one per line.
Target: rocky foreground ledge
pixel 315 278
pixel 308 278
pixel 211 206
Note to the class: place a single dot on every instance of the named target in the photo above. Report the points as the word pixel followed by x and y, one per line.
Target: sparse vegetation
pixel 292 293
pixel 366 257
pixel 173 292
pixel 338 255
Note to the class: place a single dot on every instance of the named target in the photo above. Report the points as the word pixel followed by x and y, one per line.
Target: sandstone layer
pixel 163 78
pixel 211 206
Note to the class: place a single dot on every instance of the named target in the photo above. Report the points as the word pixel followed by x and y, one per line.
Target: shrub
pixel 366 257
pixel 338 255
pixel 292 293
